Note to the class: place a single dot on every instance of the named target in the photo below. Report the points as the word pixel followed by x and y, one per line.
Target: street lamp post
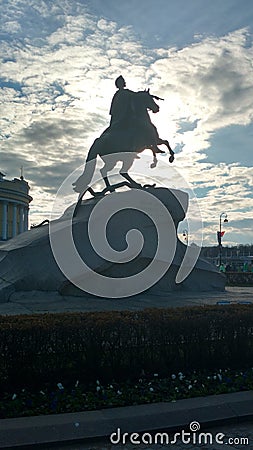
pixel 220 234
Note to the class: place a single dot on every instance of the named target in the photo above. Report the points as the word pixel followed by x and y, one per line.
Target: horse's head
pixel 148 101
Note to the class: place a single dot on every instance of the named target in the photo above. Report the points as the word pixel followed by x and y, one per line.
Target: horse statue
pixel 123 144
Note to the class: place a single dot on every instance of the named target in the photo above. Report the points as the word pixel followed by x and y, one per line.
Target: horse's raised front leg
pixel 155 150
pixel 165 142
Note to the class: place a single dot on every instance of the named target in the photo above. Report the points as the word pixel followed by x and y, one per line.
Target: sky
pixel 59 60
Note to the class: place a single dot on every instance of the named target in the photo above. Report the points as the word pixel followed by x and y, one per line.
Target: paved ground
pixel 237 437
pixel 42 302
pixel 142 423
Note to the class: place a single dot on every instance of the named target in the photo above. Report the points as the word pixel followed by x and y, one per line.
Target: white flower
pixel 119 392
pixel 60 386
pixel 214 377
pixel 14 396
pixel 98 388
pixel 181 377
pixel 42 393
pixel 176 389
pixel 180 374
pixel 155 374
pixel 151 389
pixel 190 386
pixel 173 376
pixel 97 382
pixel 219 376
pixel 111 386
pixel 77 383
pixel 195 381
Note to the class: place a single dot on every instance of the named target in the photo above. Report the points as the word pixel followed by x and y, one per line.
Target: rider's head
pixel 120 82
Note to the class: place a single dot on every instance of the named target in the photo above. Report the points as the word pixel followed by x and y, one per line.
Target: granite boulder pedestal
pixel 27 262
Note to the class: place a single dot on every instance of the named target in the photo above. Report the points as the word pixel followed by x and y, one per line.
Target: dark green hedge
pixel 239 278
pixel 121 345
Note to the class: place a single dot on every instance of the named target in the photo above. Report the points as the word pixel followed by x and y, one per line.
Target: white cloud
pixel 211 81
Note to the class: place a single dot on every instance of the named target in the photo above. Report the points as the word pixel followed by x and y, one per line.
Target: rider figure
pixel 121 109
pixel 123 115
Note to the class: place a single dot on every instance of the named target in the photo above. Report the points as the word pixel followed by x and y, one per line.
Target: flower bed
pixel 147 389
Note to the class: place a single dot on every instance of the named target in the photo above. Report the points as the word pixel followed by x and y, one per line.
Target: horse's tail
pixel 82 183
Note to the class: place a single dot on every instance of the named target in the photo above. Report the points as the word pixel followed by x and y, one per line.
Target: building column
pixel 14 220
pixel 26 218
pixel 21 219
pixel 4 221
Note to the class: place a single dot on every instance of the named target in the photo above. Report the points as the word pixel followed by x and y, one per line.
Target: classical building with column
pixel 14 207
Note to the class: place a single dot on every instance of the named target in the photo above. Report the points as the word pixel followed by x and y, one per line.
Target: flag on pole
pixel 220 234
